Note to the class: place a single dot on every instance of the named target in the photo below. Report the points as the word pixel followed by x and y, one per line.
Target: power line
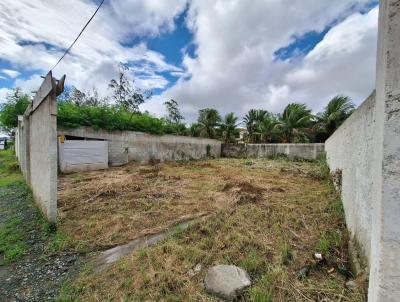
pixel 76 39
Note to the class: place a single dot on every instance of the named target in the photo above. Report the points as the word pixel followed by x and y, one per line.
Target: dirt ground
pixel 267 216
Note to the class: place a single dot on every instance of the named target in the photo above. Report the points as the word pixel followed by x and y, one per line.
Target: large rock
pixel 226 281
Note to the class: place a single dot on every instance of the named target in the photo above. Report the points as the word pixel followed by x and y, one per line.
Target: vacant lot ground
pixel 268 217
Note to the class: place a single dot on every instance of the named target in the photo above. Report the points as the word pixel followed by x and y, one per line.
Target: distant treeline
pixel 296 124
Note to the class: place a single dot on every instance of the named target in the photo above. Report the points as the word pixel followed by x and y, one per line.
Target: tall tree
pixel 335 113
pixel 267 127
pixel 253 120
pixel 88 98
pixel 293 122
pixel 174 116
pixel 125 93
pixel 194 130
pixel 15 104
pixel 208 120
pixel 229 127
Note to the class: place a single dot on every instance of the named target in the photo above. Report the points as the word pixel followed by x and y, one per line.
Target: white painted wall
pixel 81 155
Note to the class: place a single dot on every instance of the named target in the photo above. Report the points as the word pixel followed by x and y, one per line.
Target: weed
pixel 14 252
pixel 258 236
pixel 12 244
pixel 286 254
pixel 336 208
pixel 260 295
pixel 68 292
pixel 323 245
pixel 252 262
pixel 60 242
pixel 208 150
pixel 248 163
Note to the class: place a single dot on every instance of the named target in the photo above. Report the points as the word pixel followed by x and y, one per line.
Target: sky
pixel 232 55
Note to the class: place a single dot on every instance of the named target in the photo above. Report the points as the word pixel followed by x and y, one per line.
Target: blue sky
pixel 231 55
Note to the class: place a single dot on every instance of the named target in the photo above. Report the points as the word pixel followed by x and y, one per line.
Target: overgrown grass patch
pixel 21 222
pixel 269 218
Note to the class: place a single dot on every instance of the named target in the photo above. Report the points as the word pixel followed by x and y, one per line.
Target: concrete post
pixel 384 283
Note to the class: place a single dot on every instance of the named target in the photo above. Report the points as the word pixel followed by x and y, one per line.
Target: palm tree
pixel 336 112
pixel 267 127
pixel 194 130
pixel 253 120
pixel 208 120
pixel 228 127
pixel 294 120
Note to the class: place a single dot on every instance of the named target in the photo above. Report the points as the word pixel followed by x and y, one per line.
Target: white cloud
pixel 28 28
pixel 10 72
pixel 235 68
pixel 3 94
pixel 343 62
pixel 29 85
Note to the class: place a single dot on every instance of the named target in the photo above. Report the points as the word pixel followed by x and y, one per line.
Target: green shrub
pixel 112 118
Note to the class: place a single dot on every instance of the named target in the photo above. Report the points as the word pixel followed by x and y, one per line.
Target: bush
pixel 112 118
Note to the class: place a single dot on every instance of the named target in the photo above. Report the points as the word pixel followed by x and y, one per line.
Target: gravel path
pixel 37 276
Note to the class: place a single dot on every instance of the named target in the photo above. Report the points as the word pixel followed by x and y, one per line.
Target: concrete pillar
pixel 384 283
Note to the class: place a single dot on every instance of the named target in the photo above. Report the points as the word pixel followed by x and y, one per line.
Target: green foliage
pixel 293 122
pixel 260 295
pixel 334 114
pixel 260 125
pixel 208 149
pixel 125 93
pixel 286 254
pixel 208 121
pixel 253 120
pixel 229 128
pixel 329 240
pixel 109 118
pixel 16 104
pixel 253 262
pixel 194 130
pixel 12 239
pixel 174 116
pixel 263 289
pixel 8 168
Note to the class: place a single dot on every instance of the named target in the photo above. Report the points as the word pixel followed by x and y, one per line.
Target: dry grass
pixel 271 216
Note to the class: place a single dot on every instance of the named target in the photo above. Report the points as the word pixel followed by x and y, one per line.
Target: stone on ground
pixel 226 281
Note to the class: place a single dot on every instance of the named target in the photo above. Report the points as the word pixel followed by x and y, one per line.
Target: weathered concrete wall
pixel 81 155
pixel 367 150
pixel 125 146
pixel 43 150
pixel 37 147
pixel 351 150
pixel 385 239
pixel 22 135
pixel 306 151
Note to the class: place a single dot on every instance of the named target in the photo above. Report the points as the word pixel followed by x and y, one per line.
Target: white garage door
pixel 81 155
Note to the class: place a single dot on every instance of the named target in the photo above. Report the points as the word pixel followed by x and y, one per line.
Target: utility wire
pixel 76 39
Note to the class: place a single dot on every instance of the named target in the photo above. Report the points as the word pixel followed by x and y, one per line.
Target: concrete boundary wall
pixel 351 150
pixel 366 148
pixel 37 147
pixel 126 146
pixel 306 151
